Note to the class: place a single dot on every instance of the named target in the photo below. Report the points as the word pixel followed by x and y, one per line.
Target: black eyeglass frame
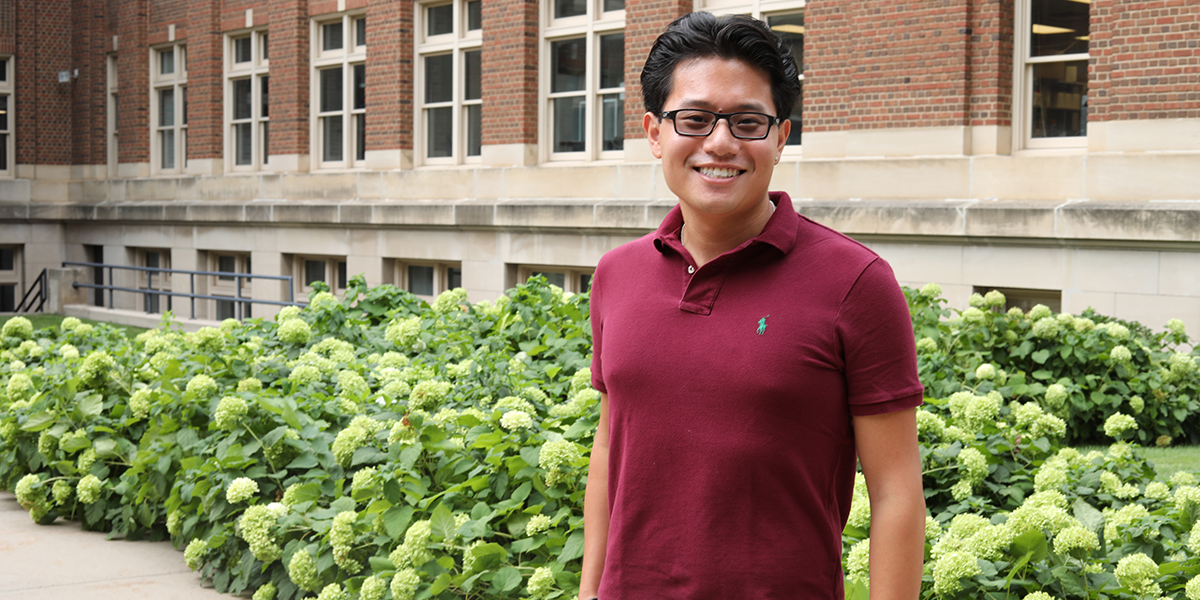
pixel 670 114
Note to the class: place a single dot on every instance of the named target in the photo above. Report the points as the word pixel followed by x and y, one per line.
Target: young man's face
pixel 718 175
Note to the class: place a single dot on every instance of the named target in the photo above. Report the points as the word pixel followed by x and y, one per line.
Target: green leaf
pixel 507 578
pixel 1088 515
pixel 1040 358
pixel 855 590
pixel 107 448
pixel 442 522
pixel 440 584
pixel 39 421
pixel 304 461
pixel 89 406
pixel 380 564
pixel 522 492
pixel 531 455
pixel 343 504
pixel 573 549
pixel 487 556
pixel 396 520
pixel 1031 542
pixel 74 444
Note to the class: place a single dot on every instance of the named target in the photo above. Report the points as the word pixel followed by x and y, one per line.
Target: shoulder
pixel 836 258
pixel 631 255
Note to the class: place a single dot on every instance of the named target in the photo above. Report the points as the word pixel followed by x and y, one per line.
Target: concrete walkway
pixel 59 561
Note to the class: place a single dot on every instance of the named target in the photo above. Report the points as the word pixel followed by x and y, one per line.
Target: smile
pixel 719 173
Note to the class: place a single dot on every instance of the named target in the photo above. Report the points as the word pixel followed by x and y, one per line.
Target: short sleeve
pixel 596 314
pixel 878 345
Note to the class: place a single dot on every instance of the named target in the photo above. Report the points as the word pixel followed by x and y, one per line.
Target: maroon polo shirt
pixel 731 389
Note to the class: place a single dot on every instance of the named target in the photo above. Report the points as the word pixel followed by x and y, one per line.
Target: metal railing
pixel 37 293
pixel 150 295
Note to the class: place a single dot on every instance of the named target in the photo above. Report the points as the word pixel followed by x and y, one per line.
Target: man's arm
pixel 595 509
pixel 891 462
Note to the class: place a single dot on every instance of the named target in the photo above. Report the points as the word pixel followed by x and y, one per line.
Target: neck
pixel 708 236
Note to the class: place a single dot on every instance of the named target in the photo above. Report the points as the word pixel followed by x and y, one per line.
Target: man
pixel 745 356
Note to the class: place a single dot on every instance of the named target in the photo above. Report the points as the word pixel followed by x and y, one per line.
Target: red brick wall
pixel 8 41
pixel 1145 63
pixel 289 76
pixel 644 21
pixel 389 75
pixel 89 111
pixel 133 80
pixel 510 71
pixel 827 68
pixel 42 104
pixel 205 54
pixel 167 12
pixel 990 62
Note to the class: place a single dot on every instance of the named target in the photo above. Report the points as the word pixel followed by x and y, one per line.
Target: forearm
pixel 595 526
pixel 897 546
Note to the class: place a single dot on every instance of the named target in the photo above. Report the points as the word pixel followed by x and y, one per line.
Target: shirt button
pixel 691 269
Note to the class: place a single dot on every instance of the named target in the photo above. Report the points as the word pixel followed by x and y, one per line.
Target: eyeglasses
pixel 694 122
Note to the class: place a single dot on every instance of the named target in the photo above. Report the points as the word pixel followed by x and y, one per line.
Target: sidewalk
pixel 56 562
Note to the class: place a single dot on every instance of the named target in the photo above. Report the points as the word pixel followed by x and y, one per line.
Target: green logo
pixel 762 325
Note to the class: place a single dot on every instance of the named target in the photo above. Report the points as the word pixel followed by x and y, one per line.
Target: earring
pixel 776 159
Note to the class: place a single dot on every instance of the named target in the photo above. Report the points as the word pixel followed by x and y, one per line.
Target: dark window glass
pixel 420 280
pixel 474 130
pixel 241 99
pixel 568 65
pixel 1060 99
pixel 613 121
pixel 614 5
pixel 264 90
pixel 612 60
pixel 341 275
pixel 332 37
pixel 554 278
pixel 1059 27
pixel 314 271
pixel 241 50
pixel 474 15
pixel 453 277
pixel 166 107
pixel 473 74
pixel 152 259
pixel 7 259
pixel 360 86
pixel 3 70
pixel 360 32
pixel 166 61
pixel 585 283
pixel 183 97
pixel 332 129
pixel 226 264
pixel 440 19
pixel 224 310
pixel 331 89
pixel 265 46
pixel 790 29
pixel 8 297
pixel 360 137
pixel 243 144
pixel 569 8
pixel 569 123
pixel 439 82
pixel 440 132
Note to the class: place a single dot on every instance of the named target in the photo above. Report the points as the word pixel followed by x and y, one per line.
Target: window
pixel 1050 90
pixel 571 279
pixel 786 19
pixel 6 117
pixel 585 99
pixel 310 269
pixel 450 117
pixel 428 279
pixel 1025 298
pixel 228 285
pixel 168 109
pixel 339 92
pixel 248 89
pixel 111 119
pixel 153 279
pixel 10 277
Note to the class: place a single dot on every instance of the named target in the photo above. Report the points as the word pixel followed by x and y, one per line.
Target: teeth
pixel 720 173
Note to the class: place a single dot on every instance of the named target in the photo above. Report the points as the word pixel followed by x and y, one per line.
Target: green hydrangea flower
pixel 428 394
pixel 931 290
pixel 514 420
pixel 353 385
pixel 986 371
pixel 1076 538
pixel 974 316
pixel 341 537
pixel 266 592
pixel 347 442
pixel 403 332
pixel 541 583
pixel 951 569
pixel 96 367
pixel 302 570
pixel 230 412
pixel 1046 329
pixel 202 386
pixel 414 550
pixel 858 562
pixel 1138 573
pixel 69 324
pixel 404 584
pixel 373 588
pixel 250 384
pixel 1117 520
pixel 1118 424
pixel 88 489
pixel 295 332
pixel 994 298
pixel 1192 589
pixel 537 524
pixel 195 552
pixel 926 346
pixel 208 339
pixel 449 300
pixel 241 490
pixel 17 327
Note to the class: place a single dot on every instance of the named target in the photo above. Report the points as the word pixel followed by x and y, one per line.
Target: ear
pixel 785 129
pixel 652 125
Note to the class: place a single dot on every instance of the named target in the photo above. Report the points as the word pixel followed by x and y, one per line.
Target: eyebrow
pixel 704 104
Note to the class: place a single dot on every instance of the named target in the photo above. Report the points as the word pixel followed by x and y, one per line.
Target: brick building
pixel 1049 148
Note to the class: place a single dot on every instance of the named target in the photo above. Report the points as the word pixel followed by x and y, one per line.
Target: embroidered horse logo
pixel 762 325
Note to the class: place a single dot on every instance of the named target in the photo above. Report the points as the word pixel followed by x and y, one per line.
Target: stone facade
pixel 914 142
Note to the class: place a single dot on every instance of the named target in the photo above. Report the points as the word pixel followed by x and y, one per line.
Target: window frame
pixel 764 10
pixel 257 72
pixel 13 276
pixel 441 275
pixel 591 26
pixel 352 53
pixel 159 282
pixel 8 144
pixel 301 287
pixel 111 98
pixel 1023 66
pixel 218 286
pixel 571 275
pixel 458 43
pixel 177 82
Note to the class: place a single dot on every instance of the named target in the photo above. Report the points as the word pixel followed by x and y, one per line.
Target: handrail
pixel 40 291
pixel 149 291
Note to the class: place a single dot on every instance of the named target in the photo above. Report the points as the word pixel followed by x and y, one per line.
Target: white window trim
pixel 1023 86
pixel 441 275
pixel 457 44
pixel 762 10
pixel 302 289
pixel 160 282
pixel 255 70
pixel 178 82
pixel 352 53
pixel 222 287
pixel 8 90
pixel 112 147
pixel 590 27
pixel 571 275
pixel 14 277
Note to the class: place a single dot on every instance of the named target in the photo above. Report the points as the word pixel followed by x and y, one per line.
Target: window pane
pixel 224 309
pixel 332 37
pixel 790 29
pixel 166 61
pixel 569 8
pixel 474 15
pixel 7 259
pixel 4 70
pixel 314 270
pixel 585 283
pixel 453 278
pixel 226 264
pixel 553 278
pixel 331 89
pixel 568 65
pixel 241 99
pixel 166 107
pixel 360 85
pixel 613 128
pixel 420 280
pixel 612 60
pixel 1060 99
pixel 474 129
pixel 8 297
pixel 266 39
pixel 360 137
pixel 568 123
pixel 797 118
pixel 614 5
pixel 341 267
pixel 331 138
pixel 441 132
pixel 243 144
pixel 152 260
pixel 3 112
pixel 183 104
pixel 440 19
pixel 3 151
pixel 264 91
pixel 241 50
pixel 439 82
pixel 360 32
pixel 473 75
pixel 1059 27
pixel 266 142
pixel 167 143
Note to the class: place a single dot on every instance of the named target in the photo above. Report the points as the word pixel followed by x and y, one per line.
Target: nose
pixel 721 141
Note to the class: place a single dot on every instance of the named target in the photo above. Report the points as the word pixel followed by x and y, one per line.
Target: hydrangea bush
pixel 378 447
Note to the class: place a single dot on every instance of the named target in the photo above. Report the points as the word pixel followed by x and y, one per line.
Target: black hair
pixel 703 35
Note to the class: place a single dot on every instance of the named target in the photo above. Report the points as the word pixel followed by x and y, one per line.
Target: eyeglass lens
pixel 702 122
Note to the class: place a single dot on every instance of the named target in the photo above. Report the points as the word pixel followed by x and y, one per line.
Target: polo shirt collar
pixel 780 230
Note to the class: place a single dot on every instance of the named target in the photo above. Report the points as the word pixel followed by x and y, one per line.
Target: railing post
pixel 239 297
pixel 110 288
pixel 192 292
